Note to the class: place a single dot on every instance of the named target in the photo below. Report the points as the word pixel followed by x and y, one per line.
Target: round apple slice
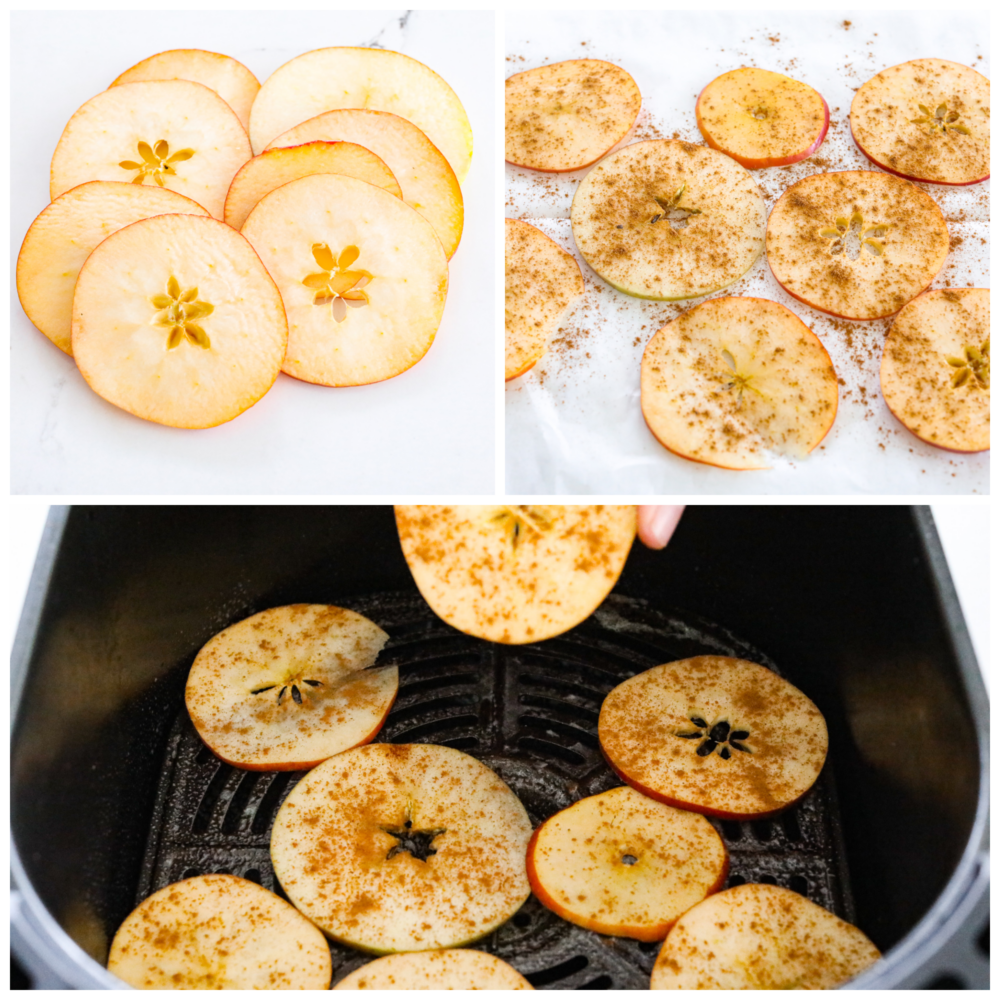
pixel 760 937
pixel 936 368
pixel 926 120
pixel 762 119
pixel 176 321
pixel 515 573
pixel 567 115
pixel 450 969
pixel 402 848
pixel 668 220
pixel 856 244
pixel 288 687
pixel 219 932
pixel 541 282
pixel 376 79
pixel 734 378
pixel 621 864
pixel 230 79
pixel 171 133
pixel 721 736
pixel 63 236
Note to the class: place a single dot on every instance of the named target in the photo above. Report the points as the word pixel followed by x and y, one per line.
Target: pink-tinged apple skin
pixel 954 451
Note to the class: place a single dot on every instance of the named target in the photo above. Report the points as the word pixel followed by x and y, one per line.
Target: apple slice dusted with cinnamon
pixel 449 969
pixel 718 735
pixel 288 687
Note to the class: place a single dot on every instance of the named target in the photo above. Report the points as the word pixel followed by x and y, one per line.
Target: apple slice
pixel 450 969
pixel 762 119
pixel 402 848
pixel 376 79
pixel 264 173
pixel 926 120
pixel 176 320
pixel 288 687
pixel 62 237
pixel 515 573
pixel 230 79
pixel 734 378
pixel 721 736
pixel 621 864
pixel 172 133
pixel 567 115
pixel 541 282
pixel 668 220
pixel 936 368
pixel 760 937
pixel 856 244
pixel 219 932
pixel 425 177
pixel 362 275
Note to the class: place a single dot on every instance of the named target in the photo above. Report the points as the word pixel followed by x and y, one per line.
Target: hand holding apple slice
pixel 449 969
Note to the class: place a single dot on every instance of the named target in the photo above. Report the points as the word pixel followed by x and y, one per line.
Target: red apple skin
pixel 954 451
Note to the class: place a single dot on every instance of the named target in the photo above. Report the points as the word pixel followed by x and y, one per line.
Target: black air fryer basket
pixel 113 795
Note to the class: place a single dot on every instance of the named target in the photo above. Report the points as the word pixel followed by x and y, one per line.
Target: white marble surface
pixel 429 430
pixel 573 423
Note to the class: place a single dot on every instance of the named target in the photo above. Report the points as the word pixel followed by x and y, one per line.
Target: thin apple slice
pixel 541 282
pixel 669 220
pixel 718 735
pixel 856 244
pixel 376 79
pixel 363 277
pixel 172 133
pixel 176 320
pixel 761 937
pixel 408 847
pixel 62 237
pixel 926 120
pixel 515 573
pixel 450 969
pixel 219 932
pixel 936 368
pixel 264 173
pixel 289 687
pixel 230 79
pixel 761 118
pixel 621 864
pixel 567 115
pixel 734 378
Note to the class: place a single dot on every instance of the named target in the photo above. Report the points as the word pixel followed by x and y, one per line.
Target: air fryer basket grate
pixel 530 713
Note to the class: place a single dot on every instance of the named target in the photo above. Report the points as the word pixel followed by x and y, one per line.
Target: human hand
pixel 657 523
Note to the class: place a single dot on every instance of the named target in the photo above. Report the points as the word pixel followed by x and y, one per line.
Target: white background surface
pixel 429 430
pixel 573 423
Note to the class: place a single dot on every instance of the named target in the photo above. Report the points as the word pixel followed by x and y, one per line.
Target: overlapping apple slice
pixel 449 969
pixel 290 686
pixel 935 371
pixel 567 115
pixel 402 848
pixel 761 937
pixel 735 378
pixel 857 244
pixel 669 220
pixel 718 735
pixel 172 133
pixel 219 932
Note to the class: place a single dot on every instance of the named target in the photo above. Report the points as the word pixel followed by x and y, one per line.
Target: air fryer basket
pixel 113 795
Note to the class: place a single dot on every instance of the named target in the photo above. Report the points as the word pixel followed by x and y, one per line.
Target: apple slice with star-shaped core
pixel 926 120
pixel 515 573
pixel 761 118
pixel 735 378
pixel 761 937
pixel 669 220
pixel 622 864
pixel 857 244
pixel 714 734
pixel 567 115
pixel 409 847
pixel 449 969
pixel 289 687
pixel 935 370
pixel 219 932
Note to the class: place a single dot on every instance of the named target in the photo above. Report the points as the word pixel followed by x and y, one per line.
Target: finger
pixel 657 523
